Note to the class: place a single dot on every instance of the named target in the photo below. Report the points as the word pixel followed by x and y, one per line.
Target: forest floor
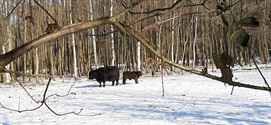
pixel 188 100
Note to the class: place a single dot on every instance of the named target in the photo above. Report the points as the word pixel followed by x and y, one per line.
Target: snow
pixel 189 99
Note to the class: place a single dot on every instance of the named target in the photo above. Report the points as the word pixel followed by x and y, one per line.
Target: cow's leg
pixel 100 84
pixel 136 80
pixel 117 82
pixel 123 81
pixel 113 83
pixel 103 84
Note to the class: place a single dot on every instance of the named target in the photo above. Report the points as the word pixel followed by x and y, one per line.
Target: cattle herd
pixel 112 73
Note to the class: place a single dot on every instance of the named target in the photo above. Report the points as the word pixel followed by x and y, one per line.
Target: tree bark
pixel 75 70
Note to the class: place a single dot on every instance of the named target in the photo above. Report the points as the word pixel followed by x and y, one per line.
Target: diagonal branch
pixel 13 9
pixel 8 57
pixel 145 42
pixel 159 9
pixel 174 6
pixel 45 103
pixel 45 10
pixel 15 53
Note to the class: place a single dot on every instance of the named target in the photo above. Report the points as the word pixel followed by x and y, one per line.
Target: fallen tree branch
pixel 23 74
pixel 43 102
pixel 128 30
pixel 32 98
pixel 15 53
pixel 58 114
pixel 8 57
pixel 20 111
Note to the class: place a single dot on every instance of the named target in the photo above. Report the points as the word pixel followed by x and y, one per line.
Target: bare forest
pixel 67 38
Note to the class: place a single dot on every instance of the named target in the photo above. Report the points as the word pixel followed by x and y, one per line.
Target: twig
pixel 45 11
pixel 25 110
pixel 71 87
pixel 42 102
pixel 163 21
pixel 45 91
pixel 13 9
pixel 159 10
pixel 32 98
pixel 232 90
pixel 62 95
pixel 61 114
pixel 104 34
pixel 261 74
pixel 23 74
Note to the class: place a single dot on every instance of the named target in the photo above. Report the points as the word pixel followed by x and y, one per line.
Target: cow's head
pixel 139 73
pixel 91 74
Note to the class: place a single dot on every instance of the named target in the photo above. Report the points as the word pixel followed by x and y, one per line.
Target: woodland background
pixel 188 34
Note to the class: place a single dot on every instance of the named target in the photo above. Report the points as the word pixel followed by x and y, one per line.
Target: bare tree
pixel 149 39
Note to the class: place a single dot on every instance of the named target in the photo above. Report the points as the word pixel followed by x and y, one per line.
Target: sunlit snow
pixel 189 99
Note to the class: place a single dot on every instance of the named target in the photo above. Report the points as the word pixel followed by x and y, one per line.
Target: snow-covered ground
pixel 189 99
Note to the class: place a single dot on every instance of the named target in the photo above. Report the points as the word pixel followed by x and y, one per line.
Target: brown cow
pixel 131 75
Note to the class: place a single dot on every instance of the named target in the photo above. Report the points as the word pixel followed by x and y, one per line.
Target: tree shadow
pixel 160 112
pixel 88 86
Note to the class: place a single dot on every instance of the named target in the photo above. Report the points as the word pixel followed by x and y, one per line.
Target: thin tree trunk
pixel 7 77
pixel 24 56
pixel 138 56
pixel 91 10
pixel 75 71
pixel 195 39
pixel 172 39
pixel 112 36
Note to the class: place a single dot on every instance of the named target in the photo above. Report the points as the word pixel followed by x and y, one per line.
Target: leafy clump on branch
pixel 238 34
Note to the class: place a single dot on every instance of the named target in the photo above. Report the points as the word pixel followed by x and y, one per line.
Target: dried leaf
pixel 224 19
pixel 249 22
pixel 240 37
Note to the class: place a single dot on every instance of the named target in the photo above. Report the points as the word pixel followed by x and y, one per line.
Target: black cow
pixel 103 74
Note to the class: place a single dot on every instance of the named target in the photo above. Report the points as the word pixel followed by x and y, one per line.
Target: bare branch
pixel 164 21
pixel 23 74
pixel 104 34
pixel 61 114
pixel 76 27
pixel 45 11
pixel 43 102
pixel 13 9
pixel 15 53
pixel 158 11
pixel 266 83
pixel 144 41
pixel 32 98
pixel 25 110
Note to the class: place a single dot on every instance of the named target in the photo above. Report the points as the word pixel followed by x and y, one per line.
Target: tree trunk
pixel 91 10
pixel 75 71
pixel 112 36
